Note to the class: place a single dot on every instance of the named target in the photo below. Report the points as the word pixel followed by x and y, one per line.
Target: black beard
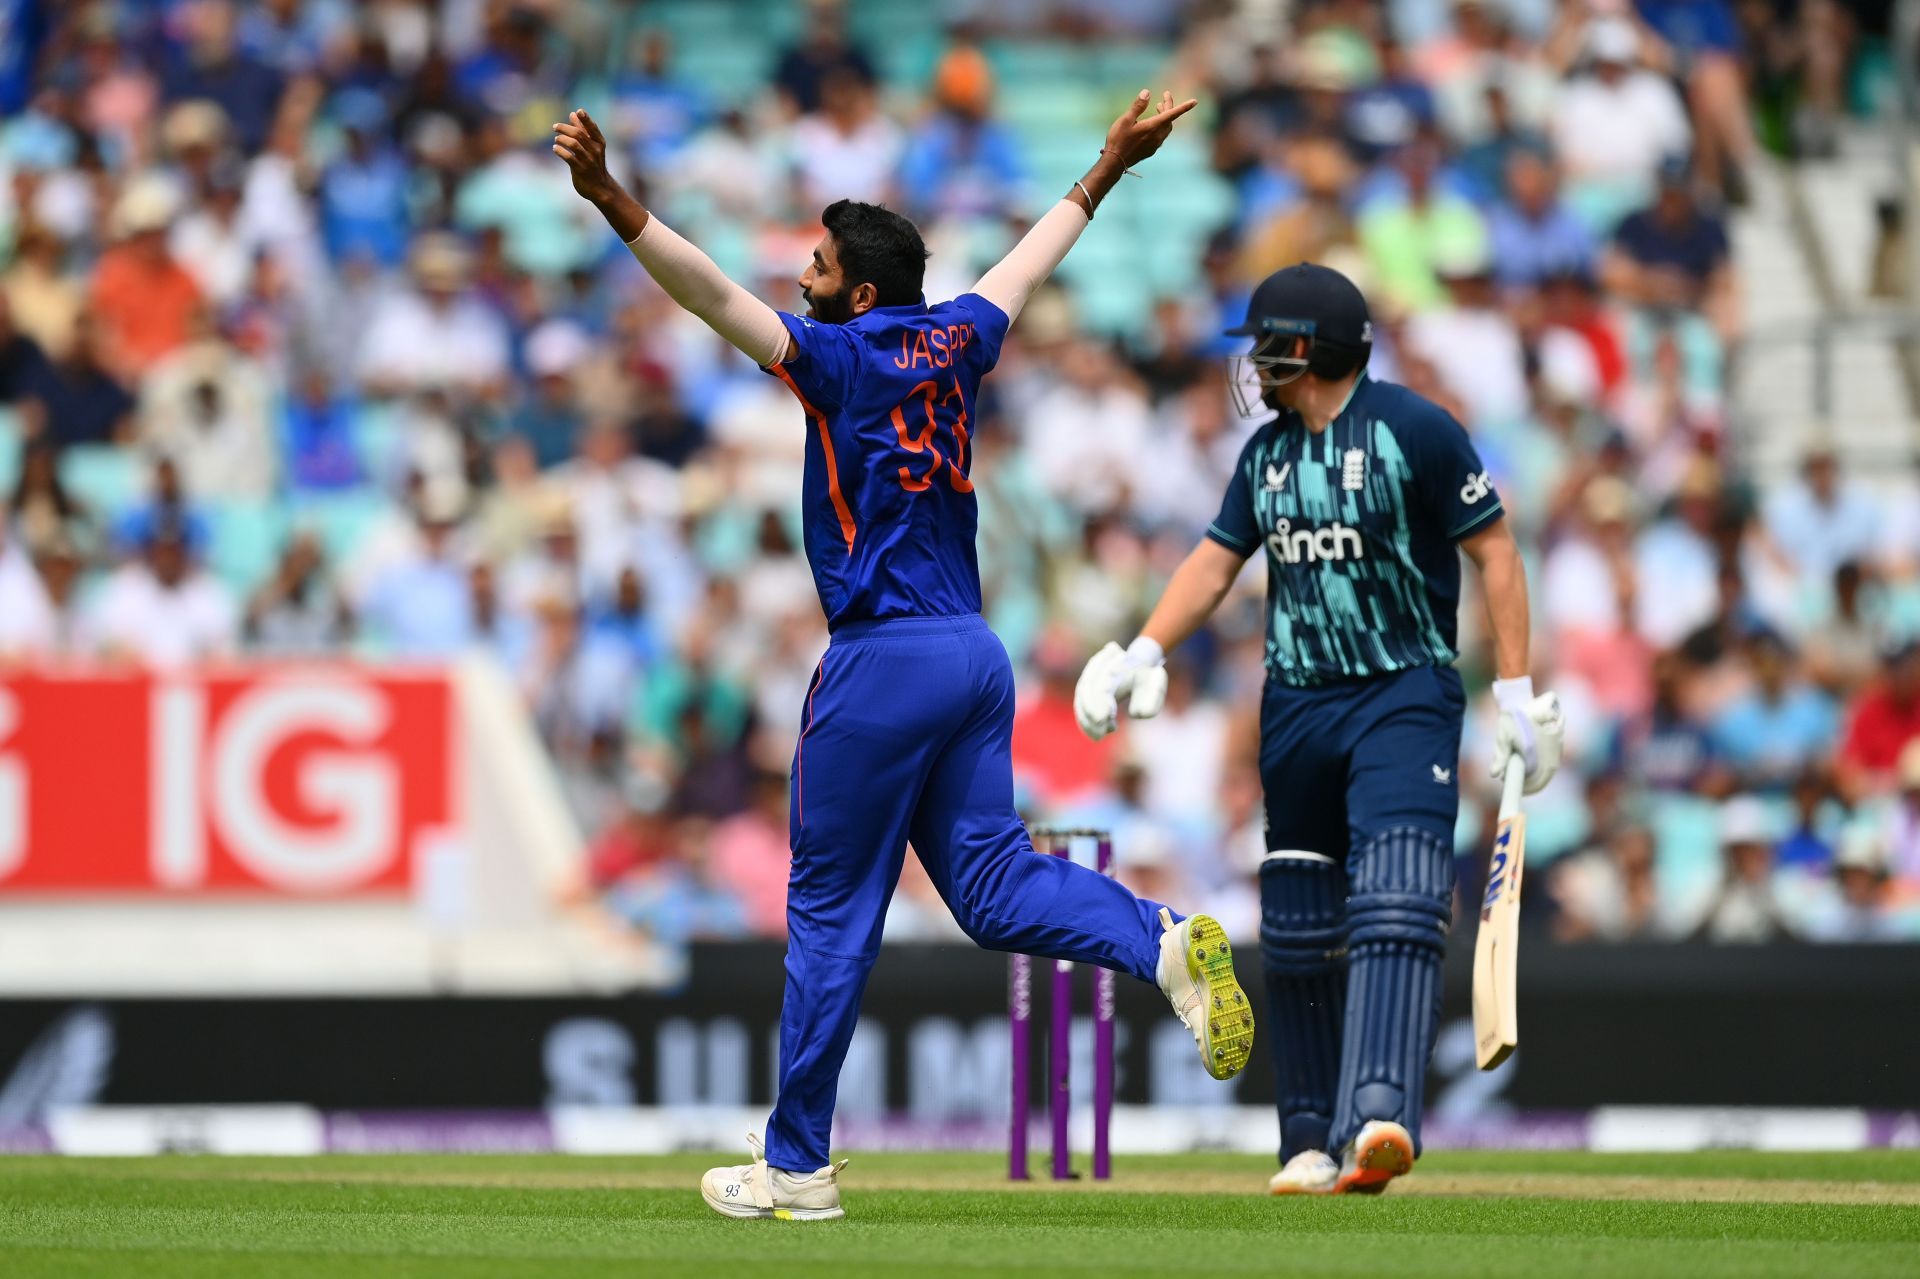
pixel 830 308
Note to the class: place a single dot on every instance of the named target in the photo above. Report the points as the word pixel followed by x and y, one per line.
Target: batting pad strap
pixel 1302 914
pixel 1402 891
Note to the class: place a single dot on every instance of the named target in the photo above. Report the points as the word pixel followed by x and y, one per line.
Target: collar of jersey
pixel 1344 404
pixel 909 308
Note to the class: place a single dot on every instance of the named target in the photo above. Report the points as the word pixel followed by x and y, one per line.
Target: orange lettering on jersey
pixel 955 475
pixel 940 356
pixel 912 485
pixel 901 361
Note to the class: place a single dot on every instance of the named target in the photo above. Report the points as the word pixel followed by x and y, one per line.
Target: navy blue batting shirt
pixel 1359 524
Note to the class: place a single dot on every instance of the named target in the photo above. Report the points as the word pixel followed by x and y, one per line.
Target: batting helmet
pixel 1308 301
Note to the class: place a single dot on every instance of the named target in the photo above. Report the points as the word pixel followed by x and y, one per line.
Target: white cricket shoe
pixel 1379 1152
pixel 757 1190
pixel 1196 975
pixel 1311 1172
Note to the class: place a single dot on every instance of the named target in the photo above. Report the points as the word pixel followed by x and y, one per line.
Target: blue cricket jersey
pixel 888 512
pixel 1359 524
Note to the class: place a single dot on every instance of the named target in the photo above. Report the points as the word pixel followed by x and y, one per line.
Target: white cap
pixel 1860 849
pixel 1612 40
pixel 148 204
pixel 1746 819
pixel 556 348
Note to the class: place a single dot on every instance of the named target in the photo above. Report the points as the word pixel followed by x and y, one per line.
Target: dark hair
pixel 879 247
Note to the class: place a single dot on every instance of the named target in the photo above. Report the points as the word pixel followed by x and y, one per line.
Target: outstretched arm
pixel 1133 137
pixel 689 276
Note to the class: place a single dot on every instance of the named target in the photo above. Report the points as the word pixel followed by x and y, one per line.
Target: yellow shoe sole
pixel 1229 1012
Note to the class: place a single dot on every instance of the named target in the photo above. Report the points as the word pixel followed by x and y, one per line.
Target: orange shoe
pixel 1381 1151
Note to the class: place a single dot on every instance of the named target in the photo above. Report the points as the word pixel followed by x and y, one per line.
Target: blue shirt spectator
pixel 1769 735
pixel 363 194
pixel 1536 237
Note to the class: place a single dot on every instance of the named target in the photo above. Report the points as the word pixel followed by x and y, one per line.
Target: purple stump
pixel 1059 1047
pixel 1019 1019
pixel 1103 1044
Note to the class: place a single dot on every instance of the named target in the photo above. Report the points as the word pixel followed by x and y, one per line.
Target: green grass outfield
pixel 1853 1215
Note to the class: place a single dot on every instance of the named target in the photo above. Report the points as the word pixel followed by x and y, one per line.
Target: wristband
pixel 1144 652
pixel 1513 694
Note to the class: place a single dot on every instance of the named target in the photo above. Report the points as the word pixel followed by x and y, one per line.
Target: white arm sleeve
pixel 691 279
pixel 1014 278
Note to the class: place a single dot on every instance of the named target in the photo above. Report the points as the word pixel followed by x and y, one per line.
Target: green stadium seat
pixel 246 540
pixel 342 520
pixel 107 479
pixel 10 446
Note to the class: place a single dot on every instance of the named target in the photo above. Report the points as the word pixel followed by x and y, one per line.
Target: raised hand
pixel 581 144
pixel 1135 135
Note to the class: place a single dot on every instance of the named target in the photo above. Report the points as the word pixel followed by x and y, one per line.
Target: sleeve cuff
pixel 1228 540
pixel 1497 509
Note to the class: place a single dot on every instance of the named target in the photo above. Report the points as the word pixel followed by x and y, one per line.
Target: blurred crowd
pixel 306 347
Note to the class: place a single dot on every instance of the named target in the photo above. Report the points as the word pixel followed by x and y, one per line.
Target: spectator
pixel 168 509
pixel 822 52
pixel 1809 845
pixel 363 202
pixel 658 110
pixel 847 149
pixel 23 365
pixel 317 436
pixel 76 399
pixel 1672 264
pixel 1406 233
pixel 961 162
pixel 1821 522
pixel 1609 893
pixel 212 67
pixel 1668 748
pixel 750 858
pixel 1903 820
pixel 1538 235
pixel 1615 123
pixel 145 301
pixel 27 631
pixel 1859 907
pixel 161 610
pixel 1883 718
pixel 419 604
pixel 436 334
pixel 1745 906
pixel 41 511
pixel 297 612
pixel 1773 733
pixel 45 302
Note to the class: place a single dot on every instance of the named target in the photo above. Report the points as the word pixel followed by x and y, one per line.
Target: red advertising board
pixel 307 780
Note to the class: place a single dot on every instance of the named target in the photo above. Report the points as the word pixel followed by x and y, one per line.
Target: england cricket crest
pixel 1353 470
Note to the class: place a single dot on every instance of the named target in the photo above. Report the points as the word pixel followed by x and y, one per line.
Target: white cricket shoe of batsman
pixel 1137 672
pixel 1311 1172
pixel 758 1190
pixel 1195 973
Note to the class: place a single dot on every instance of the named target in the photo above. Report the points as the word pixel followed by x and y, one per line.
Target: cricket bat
pixel 1496 952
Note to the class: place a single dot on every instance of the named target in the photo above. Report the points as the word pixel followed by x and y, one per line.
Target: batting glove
pixel 1530 727
pixel 1136 672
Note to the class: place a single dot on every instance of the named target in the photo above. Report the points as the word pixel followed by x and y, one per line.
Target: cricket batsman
pixel 1357 492
pixel 908 724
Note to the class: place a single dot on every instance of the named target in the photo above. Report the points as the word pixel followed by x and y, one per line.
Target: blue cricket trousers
pixel 907 735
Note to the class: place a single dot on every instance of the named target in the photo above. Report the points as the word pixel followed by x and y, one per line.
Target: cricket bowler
pixel 907 729
pixel 1358 493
